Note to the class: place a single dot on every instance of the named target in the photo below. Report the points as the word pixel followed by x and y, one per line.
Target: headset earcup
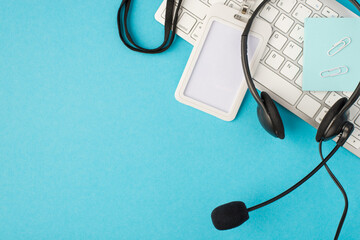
pixel 270 118
pixel 328 128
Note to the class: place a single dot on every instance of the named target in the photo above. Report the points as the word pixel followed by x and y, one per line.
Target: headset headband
pixel 245 62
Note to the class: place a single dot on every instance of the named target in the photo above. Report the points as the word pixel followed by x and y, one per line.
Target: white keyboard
pixel 280 70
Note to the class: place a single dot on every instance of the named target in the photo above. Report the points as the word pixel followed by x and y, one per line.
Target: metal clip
pixel 245 9
pixel 340 45
pixel 334 72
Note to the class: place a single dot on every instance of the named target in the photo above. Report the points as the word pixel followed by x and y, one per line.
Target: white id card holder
pixel 213 79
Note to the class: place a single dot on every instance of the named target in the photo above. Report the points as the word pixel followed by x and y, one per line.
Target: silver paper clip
pixel 334 72
pixel 340 45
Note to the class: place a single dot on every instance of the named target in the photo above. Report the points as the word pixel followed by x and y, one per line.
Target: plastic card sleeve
pixel 213 79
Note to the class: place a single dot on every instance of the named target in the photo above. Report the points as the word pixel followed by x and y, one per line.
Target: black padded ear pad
pixel 270 118
pixel 331 124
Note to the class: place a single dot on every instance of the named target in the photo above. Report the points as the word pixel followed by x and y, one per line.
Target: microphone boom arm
pixel 298 184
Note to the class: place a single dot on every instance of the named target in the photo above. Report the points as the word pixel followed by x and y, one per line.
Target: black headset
pixel 334 124
pixel 267 112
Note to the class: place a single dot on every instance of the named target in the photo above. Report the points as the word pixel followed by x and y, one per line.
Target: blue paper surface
pixel 93 144
pixel 320 36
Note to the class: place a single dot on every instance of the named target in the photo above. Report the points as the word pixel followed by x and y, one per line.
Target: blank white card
pixel 218 72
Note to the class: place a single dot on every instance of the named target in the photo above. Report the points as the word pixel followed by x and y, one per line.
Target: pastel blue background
pixel 320 35
pixel 93 144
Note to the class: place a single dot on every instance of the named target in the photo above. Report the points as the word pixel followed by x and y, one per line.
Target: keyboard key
pixel 353 142
pixel 286 5
pixel 319 95
pixel 198 31
pixel 353 111
pixel 356 133
pixel 284 23
pixel 289 70
pixel 321 115
pixel 277 40
pixel 275 60
pixel 212 2
pixel 292 50
pixel 332 98
pixel 277 84
pixel 267 49
pixel 164 12
pixel 308 106
pixel 298 81
pixel 186 23
pixel 315 4
pixel 327 12
pixel 357 121
pixel 298 33
pixel 301 12
pixel 199 9
pixel 234 5
pixel 269 13
pixel 348 94
pixel 301 60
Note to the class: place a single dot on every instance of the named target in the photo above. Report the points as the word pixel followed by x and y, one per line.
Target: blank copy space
pixel 218 73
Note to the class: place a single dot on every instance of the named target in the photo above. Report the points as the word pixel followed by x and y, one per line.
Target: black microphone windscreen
pixel 229 215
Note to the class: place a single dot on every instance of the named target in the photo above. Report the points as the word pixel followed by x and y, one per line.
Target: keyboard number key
pixel 289 70
pixel 316 4
pixel 301 12
pixel 269 13
pixel 275 60
pixel 286 5
pixel 308 106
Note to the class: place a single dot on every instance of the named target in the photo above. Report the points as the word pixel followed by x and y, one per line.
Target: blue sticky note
pixel 320 36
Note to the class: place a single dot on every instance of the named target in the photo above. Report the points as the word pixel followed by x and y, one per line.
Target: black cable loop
pixel 171 20
pixel 298 184
pixel 338 184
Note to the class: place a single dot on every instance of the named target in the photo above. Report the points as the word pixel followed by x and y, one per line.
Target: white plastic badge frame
pixel 224 15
